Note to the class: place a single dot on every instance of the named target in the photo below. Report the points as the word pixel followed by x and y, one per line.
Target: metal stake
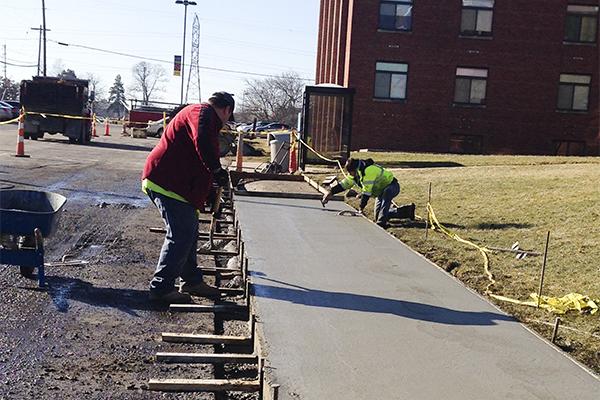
pixel 555 331
pixel 543 270
pixel 427 219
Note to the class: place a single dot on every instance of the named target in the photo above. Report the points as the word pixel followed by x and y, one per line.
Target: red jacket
pixel 187 154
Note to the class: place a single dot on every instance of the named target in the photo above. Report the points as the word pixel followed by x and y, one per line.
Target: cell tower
pixel 194 75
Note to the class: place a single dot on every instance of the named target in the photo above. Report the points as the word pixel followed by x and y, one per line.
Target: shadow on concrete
pixel 371 304
pixel 63 290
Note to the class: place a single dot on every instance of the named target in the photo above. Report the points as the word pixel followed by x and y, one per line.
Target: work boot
pixel 383 224
pixel 172 297
pixel 411 216
pixel 200 289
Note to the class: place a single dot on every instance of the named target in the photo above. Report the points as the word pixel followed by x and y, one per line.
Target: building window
pixel 390 80
pixel 582 24
pixel 477 17
pixel 470 85
pixel 574 92
pixel 395 15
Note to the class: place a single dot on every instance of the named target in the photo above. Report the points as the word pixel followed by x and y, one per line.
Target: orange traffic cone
pixel 293 167
pixel 21 139
pixel 94 126
pixel 293 159
pixel 106 128
pixel 239 157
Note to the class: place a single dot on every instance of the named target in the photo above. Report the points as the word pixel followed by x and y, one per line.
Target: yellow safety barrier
pixel 57 115
pixel 297 136
pixel 10 121
pixel 557 305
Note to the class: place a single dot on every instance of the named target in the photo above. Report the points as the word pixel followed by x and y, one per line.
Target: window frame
pixel 574 85
pixel 580 15
pixel 475 33
pixel 395 3
pixel 397 99
pixel 471 78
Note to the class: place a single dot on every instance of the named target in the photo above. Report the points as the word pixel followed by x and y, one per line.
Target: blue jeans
pixel 178 253
pixel 383 203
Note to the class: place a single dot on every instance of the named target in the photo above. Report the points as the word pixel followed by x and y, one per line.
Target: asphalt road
pixel 349 312
pixel 93 333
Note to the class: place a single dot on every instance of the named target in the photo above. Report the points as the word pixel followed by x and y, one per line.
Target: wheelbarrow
pixel 26 218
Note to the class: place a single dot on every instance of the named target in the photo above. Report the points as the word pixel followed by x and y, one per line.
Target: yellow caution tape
pixel 557 305
pixel 10 122
pixel 57 115
pixel 322 157
pixel 435 224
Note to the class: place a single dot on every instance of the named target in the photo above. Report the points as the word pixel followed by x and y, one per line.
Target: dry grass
pixel 498 200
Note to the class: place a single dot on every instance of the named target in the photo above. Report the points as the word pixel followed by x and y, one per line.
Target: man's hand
pixel 221 177
pixel 326 197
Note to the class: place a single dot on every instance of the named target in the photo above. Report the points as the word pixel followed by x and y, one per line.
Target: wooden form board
pixel 205 339
pixel 206 358
pixel 204 385
pixel 201 308
pixel 208 252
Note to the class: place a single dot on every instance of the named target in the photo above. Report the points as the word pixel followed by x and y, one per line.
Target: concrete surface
pixel 349 312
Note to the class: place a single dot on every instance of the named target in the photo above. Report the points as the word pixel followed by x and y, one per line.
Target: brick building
pixel 474 76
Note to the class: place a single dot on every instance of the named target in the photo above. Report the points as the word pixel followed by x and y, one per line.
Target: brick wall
pixel 524 58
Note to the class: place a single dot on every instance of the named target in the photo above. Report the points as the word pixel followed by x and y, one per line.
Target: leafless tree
pixel 273 99
pixel 96 85
pixel 148 80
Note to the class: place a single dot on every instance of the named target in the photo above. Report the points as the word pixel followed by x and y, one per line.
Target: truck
pixel 142 113
pixel 55 105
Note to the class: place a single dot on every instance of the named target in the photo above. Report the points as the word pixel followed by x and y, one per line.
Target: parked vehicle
pixel 259 124
pixel 52 98
pixel 16 107
pixel 140 113
pixel 155 128
pixel 5 112
pixel 275 126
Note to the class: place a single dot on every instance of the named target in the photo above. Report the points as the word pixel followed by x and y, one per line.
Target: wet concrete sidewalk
pixel 349 312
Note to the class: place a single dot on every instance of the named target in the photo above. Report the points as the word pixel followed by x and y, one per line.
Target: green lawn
pixel 498 200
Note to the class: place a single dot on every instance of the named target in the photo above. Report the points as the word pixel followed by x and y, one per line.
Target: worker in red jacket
pixel 178 176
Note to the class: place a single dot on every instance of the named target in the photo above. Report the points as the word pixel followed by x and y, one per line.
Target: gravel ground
pixel 93 333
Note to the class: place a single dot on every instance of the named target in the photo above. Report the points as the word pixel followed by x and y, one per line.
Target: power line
pixel 231 71
pixel 17 65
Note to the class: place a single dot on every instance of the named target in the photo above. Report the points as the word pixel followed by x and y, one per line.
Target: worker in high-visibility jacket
pixel 373 181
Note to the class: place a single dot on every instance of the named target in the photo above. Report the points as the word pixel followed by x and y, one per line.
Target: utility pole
pixel 4 62
pixel 39 46
pixel 185 3
pixel 44 30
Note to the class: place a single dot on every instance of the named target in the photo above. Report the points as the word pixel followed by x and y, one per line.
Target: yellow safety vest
pixel 372 183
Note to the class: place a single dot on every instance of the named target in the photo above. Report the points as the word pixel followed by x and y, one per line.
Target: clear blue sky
pixel 252 36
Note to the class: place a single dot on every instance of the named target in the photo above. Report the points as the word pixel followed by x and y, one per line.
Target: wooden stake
pixel 427 219
pixel 275 388
pixel 543 270
pixel 555 331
